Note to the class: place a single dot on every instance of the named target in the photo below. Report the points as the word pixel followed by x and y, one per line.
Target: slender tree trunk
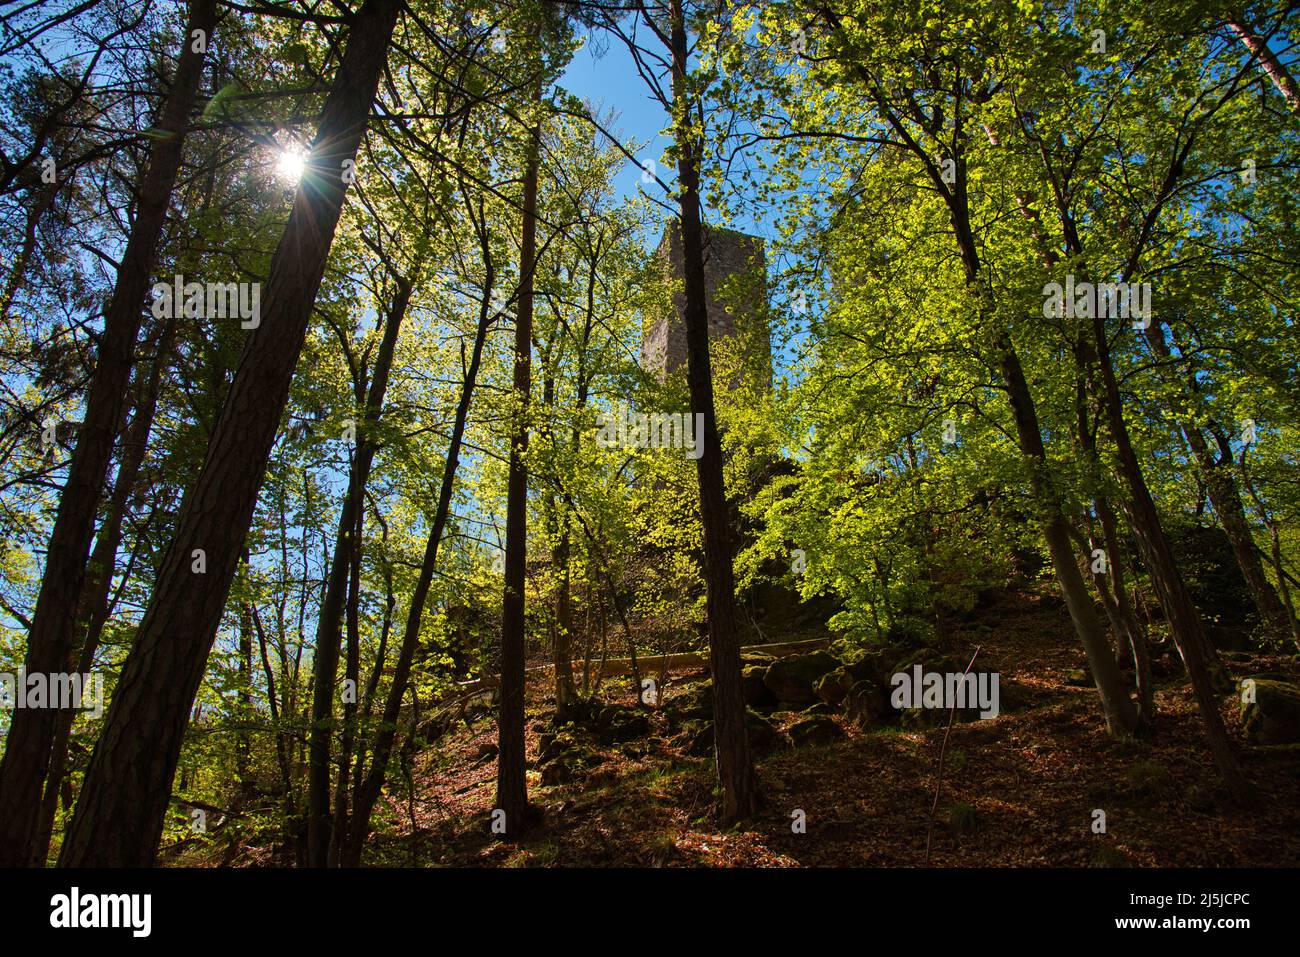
pixel 1118 709
pixel 1184 619
pixel 326 658
pixel 1221 488
pixel 1137 639
pixel 52 636
pixel 1259 49
pixel 350 707
pixel 512 782
pixel 119 817
pixel 367 792
pixel 734 764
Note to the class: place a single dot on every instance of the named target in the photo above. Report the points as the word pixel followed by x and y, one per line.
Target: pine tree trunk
pixel 734 764
pixel 52 636
pixel 119 818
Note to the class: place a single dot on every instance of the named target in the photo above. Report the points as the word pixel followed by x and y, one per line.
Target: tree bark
pixel 1259 49
pixel 1221 488
pixel 119 817
pixel 734 764
pixel 1184 620
pixel 512 782
pixel 52 636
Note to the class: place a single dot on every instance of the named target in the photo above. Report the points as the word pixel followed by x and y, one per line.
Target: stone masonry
pixel 736 313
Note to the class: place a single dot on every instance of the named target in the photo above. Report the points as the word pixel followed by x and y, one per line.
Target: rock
pixel 866 706
pixel 618 724
pixel 557 772
pixel 554 744
pixel 870 667
pixel 792 679
pixel 814 730
pixel 757 693
pixel 1273 717
pixel 692 703
pixel 821 707
pixel 833 686
pixel 486 752
pixel 762 735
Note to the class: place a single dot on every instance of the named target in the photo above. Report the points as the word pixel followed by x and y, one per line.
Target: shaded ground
pixel 1029 780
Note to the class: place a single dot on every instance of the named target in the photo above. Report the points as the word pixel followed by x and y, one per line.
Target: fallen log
pixel 615 667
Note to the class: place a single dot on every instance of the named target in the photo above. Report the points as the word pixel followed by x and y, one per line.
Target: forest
pixel 649 433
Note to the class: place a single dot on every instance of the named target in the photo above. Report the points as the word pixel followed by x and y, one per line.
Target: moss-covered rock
pixel 691 703
pixel 757 693
pixel 1270 710
pixel 814 730
pixel 763 736
pixel 833 686
pixel 866 706
pixel 617 724
pixel 792 679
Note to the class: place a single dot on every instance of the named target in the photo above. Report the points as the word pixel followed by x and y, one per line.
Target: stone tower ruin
pixel 735 280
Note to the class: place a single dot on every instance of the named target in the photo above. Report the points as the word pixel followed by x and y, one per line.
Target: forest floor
pixel 1034 777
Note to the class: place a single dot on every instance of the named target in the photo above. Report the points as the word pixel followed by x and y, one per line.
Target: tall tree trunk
pixel 95 607
pixel 1184 619
pixel 1118 709
pixel 734 764
pixel 52 636
pixel 512 782
pixel 119 817
pixel 1123 624
pixel 326 658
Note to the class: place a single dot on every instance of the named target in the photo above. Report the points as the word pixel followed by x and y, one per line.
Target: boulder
pixel 833 686
pixel 866 706
pixel 814 730
pixel 1273 717
pixel 692 703
pixel 617 724
pixel 757 693
pixel 552 744
pixel 762 735
pixel 792 679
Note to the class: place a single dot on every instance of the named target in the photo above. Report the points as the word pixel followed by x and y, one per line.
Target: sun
pixel 291 164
